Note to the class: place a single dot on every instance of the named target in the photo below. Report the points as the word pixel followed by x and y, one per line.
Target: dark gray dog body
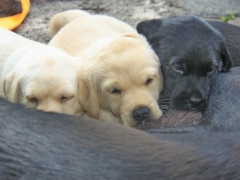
pixel 223 111
pixel 191 52
pixel 39 145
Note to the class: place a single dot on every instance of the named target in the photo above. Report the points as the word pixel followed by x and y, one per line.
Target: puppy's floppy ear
pixel 89 98
pixel 226 60
pixel 149 28
pixel 11 86
pixel 131 35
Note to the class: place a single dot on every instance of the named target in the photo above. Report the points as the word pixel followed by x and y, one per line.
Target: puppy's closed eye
pixel 211 72
pixel 32 99
pixel 65 98
pixel 178 69
pixel 115 91
pixel 149 81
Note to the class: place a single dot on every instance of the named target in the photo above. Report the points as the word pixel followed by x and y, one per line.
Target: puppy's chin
pixel 179 103
pixel 107 115
pixel 190 107
pixel 80 113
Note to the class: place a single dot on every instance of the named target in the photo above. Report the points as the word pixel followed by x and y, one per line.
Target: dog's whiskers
pixel 165 107
pixel 165 104
pixel 164 100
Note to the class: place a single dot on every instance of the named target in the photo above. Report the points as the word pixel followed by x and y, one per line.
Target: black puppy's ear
pixel 226 59
pixel 149 28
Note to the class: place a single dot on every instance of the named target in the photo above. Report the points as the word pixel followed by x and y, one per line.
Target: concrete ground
pixel 36 24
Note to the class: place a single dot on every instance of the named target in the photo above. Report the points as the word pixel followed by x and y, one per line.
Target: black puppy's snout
pixel 141 114
pixel 197 103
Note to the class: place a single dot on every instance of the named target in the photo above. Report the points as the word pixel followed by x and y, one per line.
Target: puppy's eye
pixel 211 72
pixel 66 98
pixel 115 91
pixel 32 99
pixel 178 69
pixel 149 81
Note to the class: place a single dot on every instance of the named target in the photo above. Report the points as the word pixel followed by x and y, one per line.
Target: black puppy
pixel 40 145
pixel 191 52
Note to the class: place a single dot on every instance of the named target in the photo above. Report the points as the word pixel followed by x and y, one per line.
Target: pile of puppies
pixel 105 69
pixel 100 67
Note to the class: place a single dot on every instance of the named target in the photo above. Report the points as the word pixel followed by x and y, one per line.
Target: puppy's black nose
pixel 196 101
pixel 141 114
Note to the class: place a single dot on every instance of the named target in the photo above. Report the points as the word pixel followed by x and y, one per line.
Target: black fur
pixel 191 53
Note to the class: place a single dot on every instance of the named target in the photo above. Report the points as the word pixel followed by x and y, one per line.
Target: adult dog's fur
pixel 41 76
pixel 191 52
pixel 119 63
pixel 222 113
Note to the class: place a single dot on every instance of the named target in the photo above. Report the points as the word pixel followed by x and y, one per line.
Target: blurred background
pixel 35 25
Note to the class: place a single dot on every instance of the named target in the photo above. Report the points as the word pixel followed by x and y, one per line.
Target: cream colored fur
pixel 118 63
pixel 41 76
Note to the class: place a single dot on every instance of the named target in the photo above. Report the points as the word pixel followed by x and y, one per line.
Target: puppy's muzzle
pixel 141 114
pixel 197 103
pixel 195 100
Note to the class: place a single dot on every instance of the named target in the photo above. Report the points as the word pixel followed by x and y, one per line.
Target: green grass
pixel 229 16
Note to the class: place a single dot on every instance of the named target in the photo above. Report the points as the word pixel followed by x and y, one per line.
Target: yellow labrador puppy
pixel 41 76
pixel 119 64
